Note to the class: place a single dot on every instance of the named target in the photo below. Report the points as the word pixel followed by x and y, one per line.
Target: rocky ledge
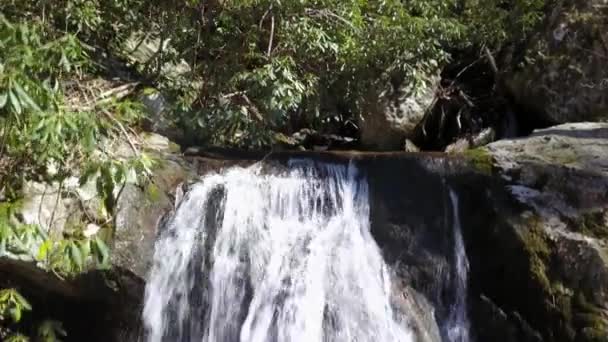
pixel 538 236
pixel 534 215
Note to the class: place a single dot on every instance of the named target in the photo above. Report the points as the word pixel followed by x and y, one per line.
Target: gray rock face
pixel 43 205
pixel 578 146
pixel 549 233
pixel 390 117
pixel 98 305
pixel 566 79
pixel 57 207
pixel 138 213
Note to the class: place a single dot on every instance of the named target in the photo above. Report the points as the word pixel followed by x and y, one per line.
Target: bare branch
pixel 122 130
pixel 491 60
pixel 327 13
pixel 271 36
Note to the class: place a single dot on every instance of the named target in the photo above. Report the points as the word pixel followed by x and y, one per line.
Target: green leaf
pixel 85 248
pixel 4 295
pixel 25 98
pixel 17 338
pixel 3 99
pixel 15 313
pixel 103 253
pixel 43 250
pixel 14 102
pixel 76 255
pixel 21 301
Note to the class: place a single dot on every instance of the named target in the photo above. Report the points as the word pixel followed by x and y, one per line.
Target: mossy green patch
pixel 569 310
pixel 566 155
pixel 481 160
pixel 538 252
pixel 174 148
pixel 153 193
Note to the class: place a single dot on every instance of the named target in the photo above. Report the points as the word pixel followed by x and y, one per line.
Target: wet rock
pixel 420 312
pixel 538 237
pixel 499 326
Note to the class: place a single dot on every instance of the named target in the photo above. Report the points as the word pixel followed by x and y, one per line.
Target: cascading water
pixel 458 321
pixel 272 258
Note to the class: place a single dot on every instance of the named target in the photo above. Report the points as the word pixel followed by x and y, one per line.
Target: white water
pixel 272 258
pixel 458 321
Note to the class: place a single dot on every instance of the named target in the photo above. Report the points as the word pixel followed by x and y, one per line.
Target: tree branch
pixel 271 36
pixel 491 60
pixel 122 130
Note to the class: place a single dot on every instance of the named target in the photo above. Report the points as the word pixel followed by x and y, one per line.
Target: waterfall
pixel 458 321
pixel 258 256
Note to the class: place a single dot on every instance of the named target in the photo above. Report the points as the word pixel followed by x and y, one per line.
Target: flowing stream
pixel 458 320
pixel 253 256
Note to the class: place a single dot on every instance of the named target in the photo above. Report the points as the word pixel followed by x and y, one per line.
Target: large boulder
pixel 538 236
pixel 98 305
pixel 139 210
pixel 565 78
pixel 391 116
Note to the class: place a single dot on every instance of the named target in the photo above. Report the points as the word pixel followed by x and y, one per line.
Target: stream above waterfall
pixel 284 255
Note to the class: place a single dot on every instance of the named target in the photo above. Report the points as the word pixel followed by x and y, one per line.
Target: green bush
pixel 243 70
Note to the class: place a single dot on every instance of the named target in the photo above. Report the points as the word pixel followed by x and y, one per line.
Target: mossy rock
pixel 568 314
pixel 481 160
pixel 153 193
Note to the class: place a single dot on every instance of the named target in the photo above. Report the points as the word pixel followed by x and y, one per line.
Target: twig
pixel 464 70
pixel 254 109
pixel 57 274
pixel 271 36
pixel 83 206
pixel 143 39
pixel 122 130
pixel 465 98
pixel 236 93
pixel 264 17
pixel 56 204
pixel 40 205
pixel 118 93
pixel 491 60
pixel 133 131
pixel 243 96
pixel 327 13
pixel 441 123
pixel 266 156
